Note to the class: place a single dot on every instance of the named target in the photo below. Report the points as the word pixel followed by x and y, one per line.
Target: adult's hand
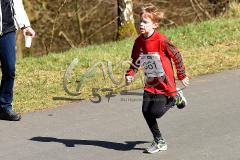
pixel 29 30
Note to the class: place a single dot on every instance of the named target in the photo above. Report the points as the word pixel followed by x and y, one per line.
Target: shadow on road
pixel 128 145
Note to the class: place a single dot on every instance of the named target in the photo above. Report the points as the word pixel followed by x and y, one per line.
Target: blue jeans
pixel 8 61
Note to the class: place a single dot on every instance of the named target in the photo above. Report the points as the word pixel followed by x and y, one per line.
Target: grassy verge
pixel 208 47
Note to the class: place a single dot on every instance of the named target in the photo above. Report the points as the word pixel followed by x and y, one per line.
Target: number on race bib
pixel 152 65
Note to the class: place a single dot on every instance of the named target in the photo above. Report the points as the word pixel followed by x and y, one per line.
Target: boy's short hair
pixel 151 11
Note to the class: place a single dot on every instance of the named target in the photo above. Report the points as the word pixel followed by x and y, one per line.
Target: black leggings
pixel 154 106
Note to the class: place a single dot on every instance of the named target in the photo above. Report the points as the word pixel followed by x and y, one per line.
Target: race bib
pixel 152 65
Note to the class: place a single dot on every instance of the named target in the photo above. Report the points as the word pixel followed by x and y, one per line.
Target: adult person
pixel 12 17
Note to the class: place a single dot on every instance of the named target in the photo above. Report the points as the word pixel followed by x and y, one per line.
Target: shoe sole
pixel 183 99
pixel 158 150
pixel 7 118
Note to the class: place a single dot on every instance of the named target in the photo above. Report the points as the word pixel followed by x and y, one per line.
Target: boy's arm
pixel 129 76
pixel 135 64
pixel 175 55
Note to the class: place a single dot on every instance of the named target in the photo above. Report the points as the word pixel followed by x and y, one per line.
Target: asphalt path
pixel 207 129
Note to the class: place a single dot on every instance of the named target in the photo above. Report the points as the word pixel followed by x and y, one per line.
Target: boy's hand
pixel 185 81
pixel 129 79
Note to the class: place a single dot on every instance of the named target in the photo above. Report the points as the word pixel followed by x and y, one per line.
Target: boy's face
pixel 146 26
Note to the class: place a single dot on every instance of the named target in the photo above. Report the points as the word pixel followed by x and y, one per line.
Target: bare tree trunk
pixel 125 11
pixel 80 26
pixel 126 27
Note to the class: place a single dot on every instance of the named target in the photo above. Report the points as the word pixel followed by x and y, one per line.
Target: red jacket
pixel 158 44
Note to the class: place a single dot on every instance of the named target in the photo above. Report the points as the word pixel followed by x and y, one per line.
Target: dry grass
pixel 234 10
pixel 208 47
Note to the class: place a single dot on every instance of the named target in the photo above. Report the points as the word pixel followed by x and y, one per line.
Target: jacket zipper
pixel 0 19
pixel 12 10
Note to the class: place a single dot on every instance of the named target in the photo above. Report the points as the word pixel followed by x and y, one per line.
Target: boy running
pixel 154 52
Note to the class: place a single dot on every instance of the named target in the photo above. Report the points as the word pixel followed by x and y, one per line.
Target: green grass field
pixel 207 47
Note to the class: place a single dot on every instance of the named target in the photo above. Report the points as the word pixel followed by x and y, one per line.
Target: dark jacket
pixel 12 16
pixel 7 12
